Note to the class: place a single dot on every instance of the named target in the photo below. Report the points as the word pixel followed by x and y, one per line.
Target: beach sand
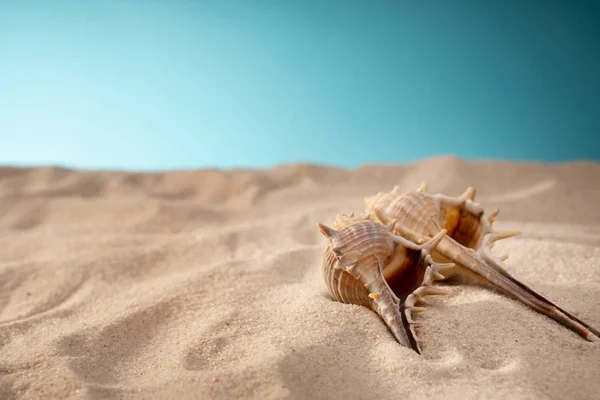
pixel 207 284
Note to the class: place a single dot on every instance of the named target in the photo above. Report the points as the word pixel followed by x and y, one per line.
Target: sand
pixel 207 284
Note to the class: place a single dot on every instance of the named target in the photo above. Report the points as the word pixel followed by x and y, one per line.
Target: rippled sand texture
pixel 207 284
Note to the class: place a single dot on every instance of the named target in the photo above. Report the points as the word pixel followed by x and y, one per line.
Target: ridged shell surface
pixel 372 242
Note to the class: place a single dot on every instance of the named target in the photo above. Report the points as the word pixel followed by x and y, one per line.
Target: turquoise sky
pixel 152 85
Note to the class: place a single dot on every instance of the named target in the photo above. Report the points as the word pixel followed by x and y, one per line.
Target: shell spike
pixel 375 296
pixel 423 188
pixel 468 194
pixel 442 271
pixel 402 241
pixel 431 291
pixel 433 242
pixel 326 230
pixel 493 214
pixel 503 235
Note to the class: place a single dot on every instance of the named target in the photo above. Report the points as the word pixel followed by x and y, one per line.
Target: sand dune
pixel 207 284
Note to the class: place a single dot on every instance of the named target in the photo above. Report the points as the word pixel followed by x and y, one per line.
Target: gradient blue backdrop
pixel 187 84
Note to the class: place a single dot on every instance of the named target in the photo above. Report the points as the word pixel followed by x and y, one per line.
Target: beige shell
pixel 419 216
pixel 365 263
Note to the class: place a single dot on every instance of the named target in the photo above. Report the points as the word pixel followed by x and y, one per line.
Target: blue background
pixel 153 85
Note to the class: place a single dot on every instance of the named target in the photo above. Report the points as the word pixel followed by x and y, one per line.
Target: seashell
pixel 419 216
pixel 366 263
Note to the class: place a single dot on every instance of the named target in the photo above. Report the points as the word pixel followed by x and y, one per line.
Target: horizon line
pixel 272 166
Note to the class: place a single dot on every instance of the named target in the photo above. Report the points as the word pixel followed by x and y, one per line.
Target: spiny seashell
pixel 418 216
pixel 366 264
